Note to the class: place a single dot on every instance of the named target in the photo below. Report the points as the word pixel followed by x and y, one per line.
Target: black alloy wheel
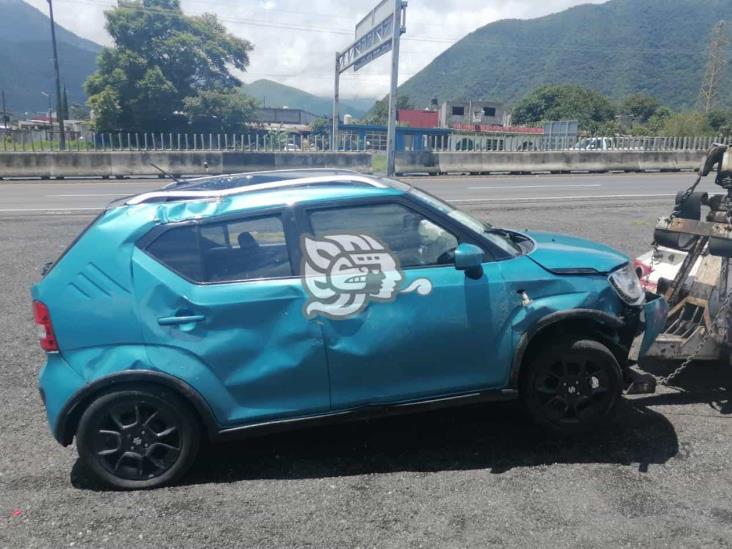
pixel 572 386
pixel 138 438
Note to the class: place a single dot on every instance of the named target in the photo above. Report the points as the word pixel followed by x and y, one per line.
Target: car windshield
pixel 499 237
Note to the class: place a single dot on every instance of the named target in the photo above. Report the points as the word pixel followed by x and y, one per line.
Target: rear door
pixel 221 305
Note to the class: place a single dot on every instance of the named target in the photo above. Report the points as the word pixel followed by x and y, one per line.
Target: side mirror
pixel 469 258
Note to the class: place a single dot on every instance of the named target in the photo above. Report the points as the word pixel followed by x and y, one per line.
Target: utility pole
pixel 6 118
pixel 397 30
pixel 336 99
pixel 62 139
pixel 50 115
pixel 716 61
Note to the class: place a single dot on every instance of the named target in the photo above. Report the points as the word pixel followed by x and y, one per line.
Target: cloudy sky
pixel 295 40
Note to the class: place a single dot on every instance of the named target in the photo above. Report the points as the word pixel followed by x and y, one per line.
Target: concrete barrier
pixel 418 162
pixel 138 163
pixel 559 161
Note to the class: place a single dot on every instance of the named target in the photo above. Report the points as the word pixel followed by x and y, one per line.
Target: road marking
pixel 533 187
pixel 86 195
pixel 576 197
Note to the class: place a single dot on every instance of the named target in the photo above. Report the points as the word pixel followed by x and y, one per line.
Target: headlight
pixel 627 286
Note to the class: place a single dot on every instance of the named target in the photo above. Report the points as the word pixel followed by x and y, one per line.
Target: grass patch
pixel 378 163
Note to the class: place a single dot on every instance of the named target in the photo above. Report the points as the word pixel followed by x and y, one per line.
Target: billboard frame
pixel 376 34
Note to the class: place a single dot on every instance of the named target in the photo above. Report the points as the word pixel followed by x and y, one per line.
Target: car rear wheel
pixel 138 438
pixel 572 386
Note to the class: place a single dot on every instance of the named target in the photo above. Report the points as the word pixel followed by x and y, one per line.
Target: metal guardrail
pixel 480 142
pixel 47 141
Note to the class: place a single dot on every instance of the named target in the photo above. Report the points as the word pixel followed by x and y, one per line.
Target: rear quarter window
pixel 231 251
pixel 178 249
pixel 252 249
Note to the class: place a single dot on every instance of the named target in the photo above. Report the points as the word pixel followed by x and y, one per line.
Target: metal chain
pixel 665 380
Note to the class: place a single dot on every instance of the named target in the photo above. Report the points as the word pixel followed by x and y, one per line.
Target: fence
pixel 477 142
pixel 30 141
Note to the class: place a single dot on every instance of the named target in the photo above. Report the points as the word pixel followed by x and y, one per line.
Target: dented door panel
pixel 267 357
pixel 421 345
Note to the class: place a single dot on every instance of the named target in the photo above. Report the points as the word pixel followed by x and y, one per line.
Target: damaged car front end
pixel 583 288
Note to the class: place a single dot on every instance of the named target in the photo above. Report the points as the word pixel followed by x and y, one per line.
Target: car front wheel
pixel 138 438
pixel 572 386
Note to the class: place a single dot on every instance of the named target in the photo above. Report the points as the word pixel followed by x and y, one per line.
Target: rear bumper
pixel 57 383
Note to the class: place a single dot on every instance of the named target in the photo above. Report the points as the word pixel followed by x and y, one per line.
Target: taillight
pixel 45 327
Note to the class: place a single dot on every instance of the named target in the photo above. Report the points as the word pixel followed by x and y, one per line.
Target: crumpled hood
pixel 562 254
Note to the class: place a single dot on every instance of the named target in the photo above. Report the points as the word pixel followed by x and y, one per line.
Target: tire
pixel 572 386
pixel 138 437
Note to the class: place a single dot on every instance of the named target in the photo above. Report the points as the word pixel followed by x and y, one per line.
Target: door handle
pixel 178 320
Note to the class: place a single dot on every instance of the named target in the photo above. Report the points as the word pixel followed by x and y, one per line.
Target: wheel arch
pixel 599 325
pixel 72 411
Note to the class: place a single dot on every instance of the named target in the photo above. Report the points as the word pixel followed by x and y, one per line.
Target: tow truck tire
pixel 571 386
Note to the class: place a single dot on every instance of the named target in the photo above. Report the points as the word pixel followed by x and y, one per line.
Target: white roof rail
pixel 274 185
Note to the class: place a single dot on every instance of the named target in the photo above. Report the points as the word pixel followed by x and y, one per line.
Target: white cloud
pixel 295 41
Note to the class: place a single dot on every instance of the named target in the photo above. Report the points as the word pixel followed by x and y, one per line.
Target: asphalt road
pixel 79 196
pixel 471 477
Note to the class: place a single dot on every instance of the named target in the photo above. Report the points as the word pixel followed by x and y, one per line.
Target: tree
pixel 106 109
pixel 161 58
pixel 564 102
pixel 379 114
pixel 320 126
pixel 78 112
pixel 219 111
pixel 686 124
pixel 655 123
pixel 640 106
pixel 720 122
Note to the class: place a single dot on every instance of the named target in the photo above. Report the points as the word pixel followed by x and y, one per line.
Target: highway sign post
pixel 376 34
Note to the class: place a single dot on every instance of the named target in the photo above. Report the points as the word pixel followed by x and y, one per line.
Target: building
pixel 486 113
pixel 418 119
pixel 285 118
pixel 372 137
pixel 481 126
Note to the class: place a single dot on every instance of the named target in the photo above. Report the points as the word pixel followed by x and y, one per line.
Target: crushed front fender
pixel 653 318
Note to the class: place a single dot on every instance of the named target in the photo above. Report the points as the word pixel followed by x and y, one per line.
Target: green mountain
pixel 274 94
pixel 26 59
pixel 618 48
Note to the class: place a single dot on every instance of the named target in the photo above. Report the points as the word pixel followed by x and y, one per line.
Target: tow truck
pixel 690 267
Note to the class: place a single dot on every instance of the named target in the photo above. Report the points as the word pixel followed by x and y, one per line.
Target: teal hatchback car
pixel 232 305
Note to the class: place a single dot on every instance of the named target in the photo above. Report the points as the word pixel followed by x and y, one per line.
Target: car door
pixel 221 305
pixel 424 329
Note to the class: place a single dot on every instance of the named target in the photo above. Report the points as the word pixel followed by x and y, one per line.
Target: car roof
pixel 241 192
pixel 230 181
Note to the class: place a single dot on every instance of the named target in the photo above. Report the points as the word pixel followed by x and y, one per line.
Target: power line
pixel 421 39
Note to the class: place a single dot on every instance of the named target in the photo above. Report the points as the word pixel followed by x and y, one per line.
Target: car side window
pixel 228 251
pixel 414 239
pixel 178 249
pixel 245 250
